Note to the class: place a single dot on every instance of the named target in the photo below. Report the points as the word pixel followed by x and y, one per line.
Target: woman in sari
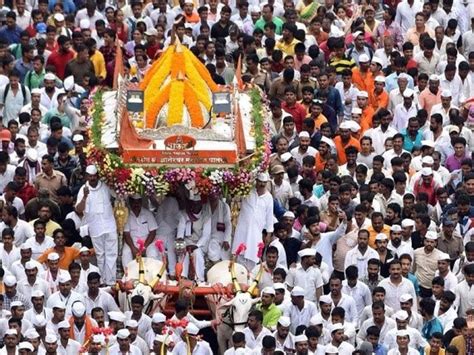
pixel 307 10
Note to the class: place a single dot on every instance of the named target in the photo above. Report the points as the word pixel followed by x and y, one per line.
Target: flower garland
pixel 131 179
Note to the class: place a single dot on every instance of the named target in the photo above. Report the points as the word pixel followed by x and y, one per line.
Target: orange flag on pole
pixel 238 74
pixel 118 68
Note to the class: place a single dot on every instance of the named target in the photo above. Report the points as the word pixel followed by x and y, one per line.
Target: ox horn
pixel 256 281
pixel 234 277
pixel 141 269
pixel 160 273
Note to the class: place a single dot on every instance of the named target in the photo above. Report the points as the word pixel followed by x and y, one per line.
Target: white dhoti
pixel 256 214
pixel 199 265
pixel 106 251
pixel 215 251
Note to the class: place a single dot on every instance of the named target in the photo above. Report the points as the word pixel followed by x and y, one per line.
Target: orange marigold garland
pixel 163 62
pixel 175 109
pixel 156 104
pixel 193 106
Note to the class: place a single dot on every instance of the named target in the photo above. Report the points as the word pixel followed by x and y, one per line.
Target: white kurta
pixel 256 214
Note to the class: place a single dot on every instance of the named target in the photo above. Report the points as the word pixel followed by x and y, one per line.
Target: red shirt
pixel 298 111
pixel 430 190
pixel 26 193
pixel 59 61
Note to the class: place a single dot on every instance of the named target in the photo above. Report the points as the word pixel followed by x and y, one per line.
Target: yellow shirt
pixel 98 61
pixel 51 226
pixel 287 48
pixel 373 234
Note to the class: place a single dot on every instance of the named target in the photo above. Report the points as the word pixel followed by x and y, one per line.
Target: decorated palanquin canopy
pixel 178 90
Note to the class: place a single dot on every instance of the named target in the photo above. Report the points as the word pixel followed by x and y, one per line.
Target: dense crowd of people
pixel 366 211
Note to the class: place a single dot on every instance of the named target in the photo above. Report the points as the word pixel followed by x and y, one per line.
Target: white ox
pixel 234 312
pixel 132 276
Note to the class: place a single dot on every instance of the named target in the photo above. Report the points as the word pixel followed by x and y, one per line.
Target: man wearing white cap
pixel 284 339
pixel 135 339
pixel 337 335
pixel 396 245
pixel 49 91
pixel 403 344
pixel 51 343
pixel 32 282
pixel 300 311
pixel 444 270
pixel 141 224
pixel 256 216
pixel 444 106
pixel 404 110
pixel 94 200
pixel 11 294
pixel 65 293
pixel 10 339
pixel 401 318
pixel 304 148
pixel 198 347
pixel 426 263
pixel 157 327
pixel 306 275
pixel 35 103
pixel 38 302
pixel 124 345
pixel 66 344
pixel 195 227
pixel 81 323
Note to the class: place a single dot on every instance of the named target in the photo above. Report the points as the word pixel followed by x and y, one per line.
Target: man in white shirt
pixel 396 285
pixel 94 200
pixel 23 230
pixel 465 292
pixel 40 242
pixel 306 275
pixel 337 335
pixel 38 300
pixel 255 331
pixel 405 110
pixel 451 81
pixel 415 339
pixel 361 254
pixel 65 293
pixel 284 339
pixel 141 224
pixel 379 319
pixel 406 11
pixel 343 300
pixel 32 282
pixel 380 134
pixel 359 291
pixel 95 297
pixel 396 245
pixel 123 345
pixel 300 311
pixel 67 346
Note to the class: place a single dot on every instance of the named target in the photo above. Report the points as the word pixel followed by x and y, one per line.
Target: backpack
pixel 23 92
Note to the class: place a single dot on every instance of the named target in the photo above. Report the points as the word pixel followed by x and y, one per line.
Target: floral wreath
pixel 127 179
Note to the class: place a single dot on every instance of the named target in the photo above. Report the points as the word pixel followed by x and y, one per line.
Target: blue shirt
pixel 431 327
pixel 69 6
pixel 414 281
pixel 408 143
pixel 10 35
pixel 380 349
pixel 23 68
pixel 391 82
